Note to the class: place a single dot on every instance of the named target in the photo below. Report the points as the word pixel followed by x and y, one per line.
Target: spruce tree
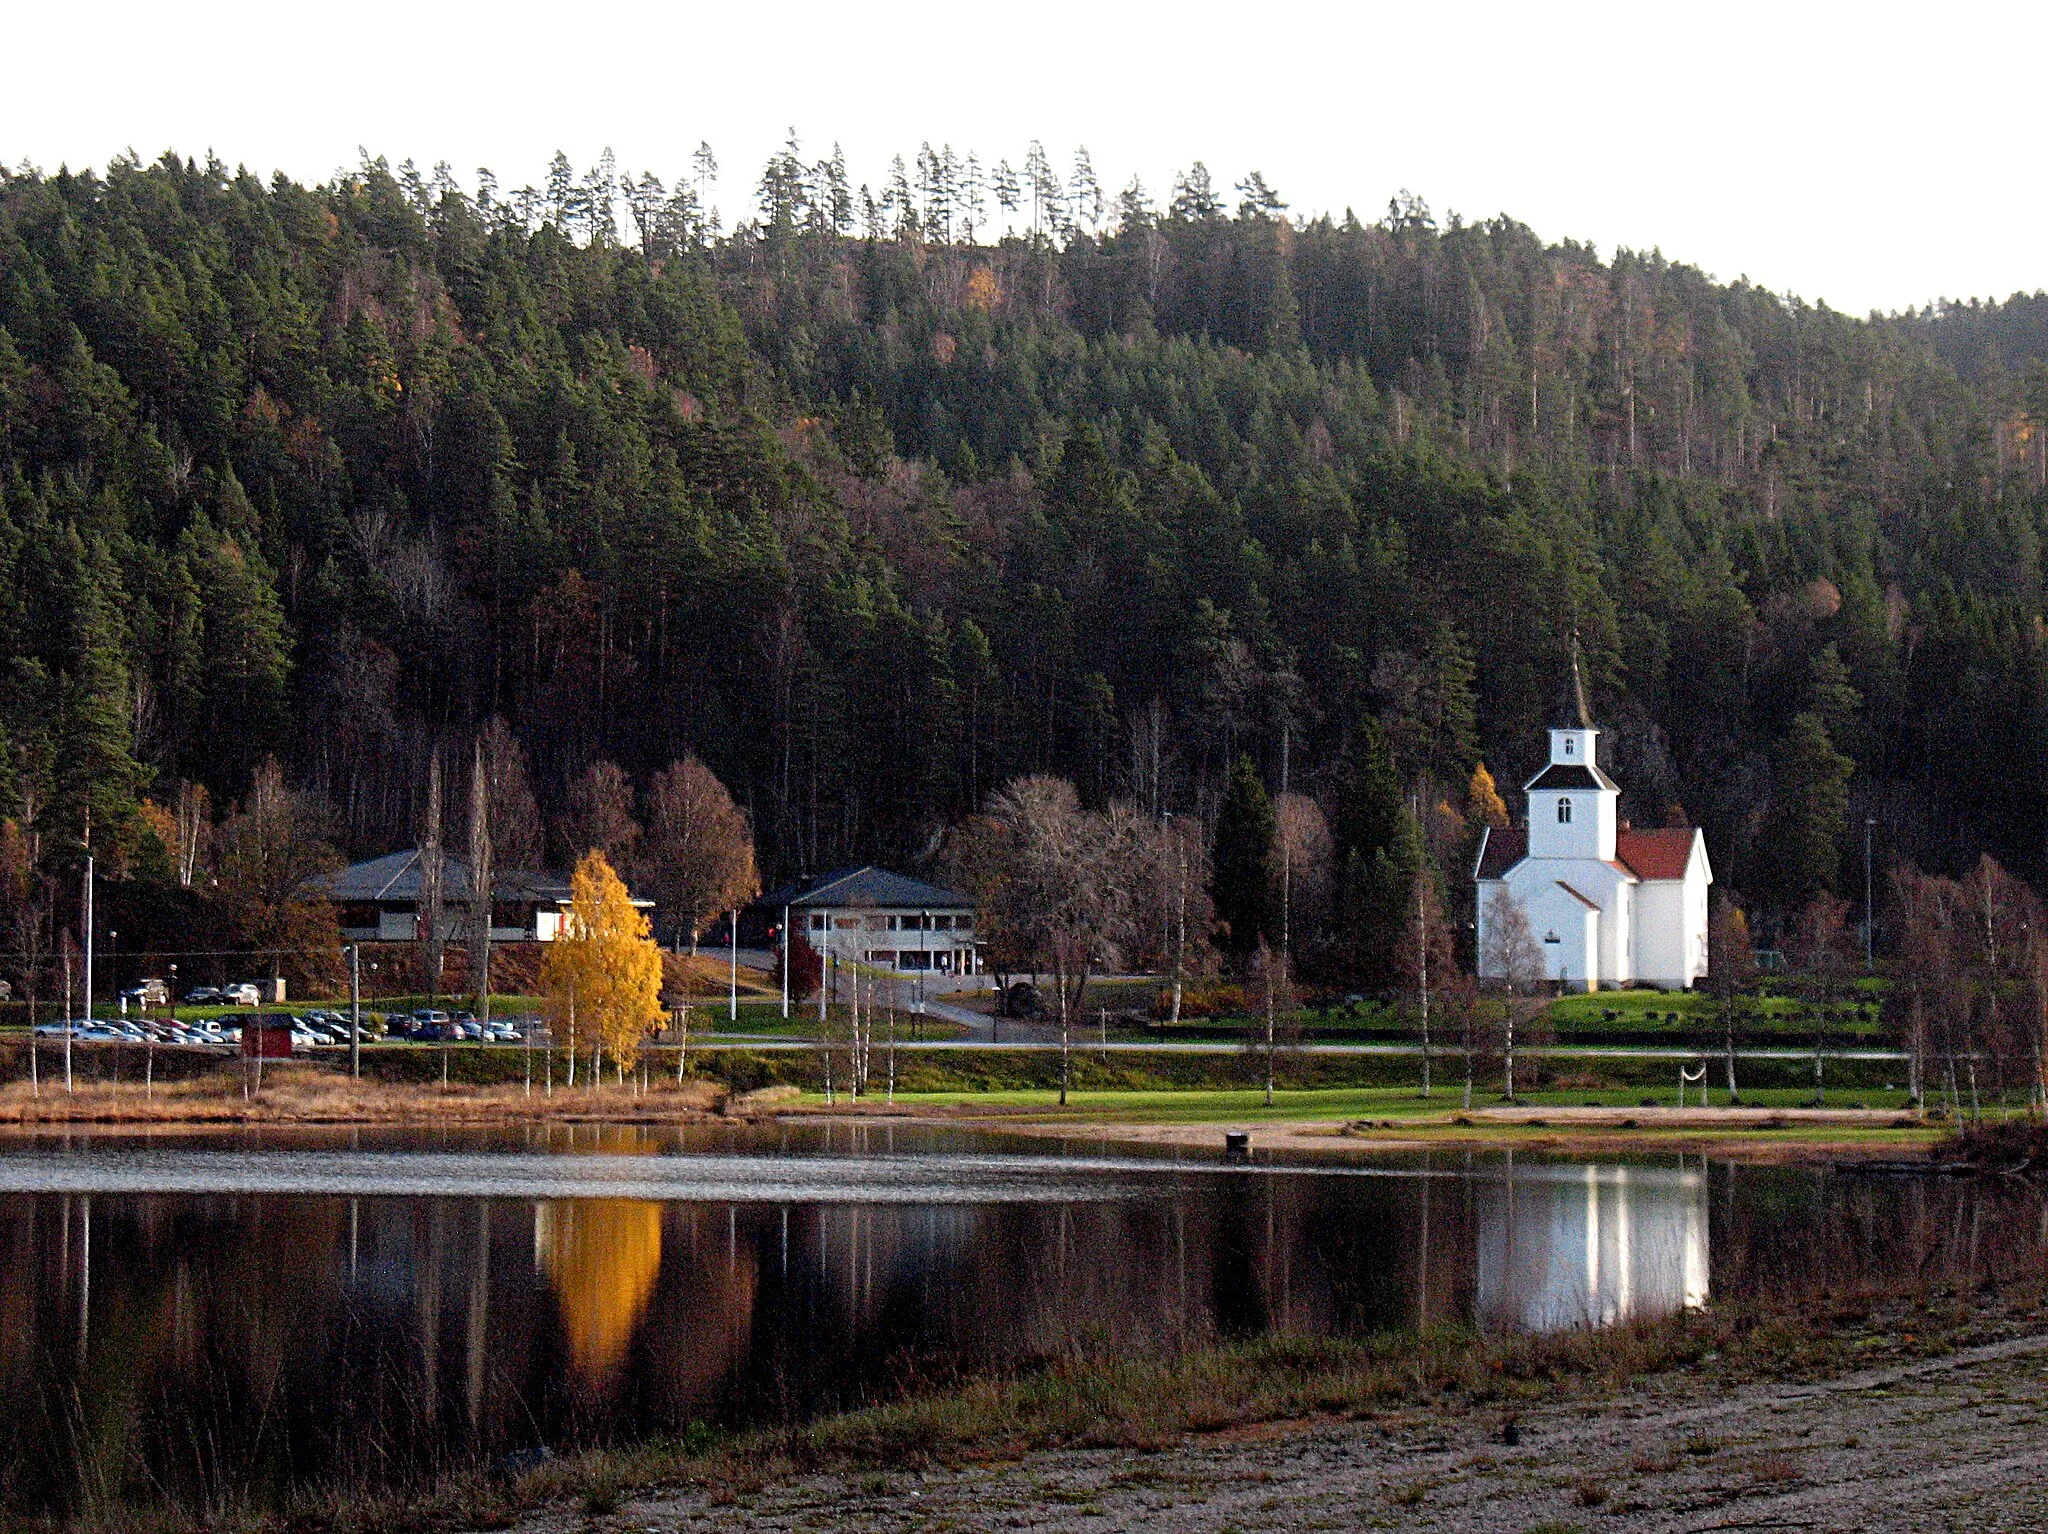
pixel 1812 800
pixel 1242 878
pixel 1378 849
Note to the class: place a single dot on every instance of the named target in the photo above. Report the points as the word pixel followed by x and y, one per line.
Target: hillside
pixel 871 520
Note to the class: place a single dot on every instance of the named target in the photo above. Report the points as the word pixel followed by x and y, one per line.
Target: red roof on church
pixel 1503 848
pixel 1661 853
pixel 1658 854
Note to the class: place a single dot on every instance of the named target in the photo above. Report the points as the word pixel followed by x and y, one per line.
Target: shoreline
pixel 1760 1136
pixel 316 1099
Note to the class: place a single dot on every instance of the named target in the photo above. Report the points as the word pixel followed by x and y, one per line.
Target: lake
pixel 234 1317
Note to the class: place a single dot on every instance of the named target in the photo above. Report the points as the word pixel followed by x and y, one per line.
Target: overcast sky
pixel 1872 155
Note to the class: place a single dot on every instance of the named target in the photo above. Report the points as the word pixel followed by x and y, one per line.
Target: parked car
pixel 243 993
pixel 500 1033
pixel 148 993
pixel 203 996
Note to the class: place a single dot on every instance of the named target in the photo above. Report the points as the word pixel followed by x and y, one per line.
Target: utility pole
pixel 355 1010
pixel 1422 950
pixel 1869 916
pixel 1286 850
pixel 733 1005
pixel 88 924
pixel 785 963
pixel 1180 937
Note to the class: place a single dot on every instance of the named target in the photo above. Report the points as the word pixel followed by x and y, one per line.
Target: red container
pixel 266 1040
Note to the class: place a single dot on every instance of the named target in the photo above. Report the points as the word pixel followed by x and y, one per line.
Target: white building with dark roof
pixel 1608 905
pixel 874 917
pixel 380 901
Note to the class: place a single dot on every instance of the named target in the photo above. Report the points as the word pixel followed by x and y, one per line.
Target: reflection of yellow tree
pixel 603 974
pixel 602 1255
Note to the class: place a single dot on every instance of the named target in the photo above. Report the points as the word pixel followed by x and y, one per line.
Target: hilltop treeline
pixel 871 508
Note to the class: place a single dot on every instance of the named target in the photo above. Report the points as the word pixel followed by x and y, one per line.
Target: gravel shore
pixel 1954 1442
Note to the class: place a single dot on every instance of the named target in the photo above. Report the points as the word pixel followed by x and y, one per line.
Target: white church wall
pixel 1617 935
pixel 1661 957
pixel 1567 931
pixel 1696 917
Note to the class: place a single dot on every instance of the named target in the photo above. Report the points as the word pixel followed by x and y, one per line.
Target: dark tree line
pixel 873 509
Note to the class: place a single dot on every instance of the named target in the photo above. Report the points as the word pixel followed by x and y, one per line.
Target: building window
pixel 1568 743
pixel 1564 812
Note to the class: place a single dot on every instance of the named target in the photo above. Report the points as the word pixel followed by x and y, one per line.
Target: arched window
pixel 1568 745
pixel 1564 812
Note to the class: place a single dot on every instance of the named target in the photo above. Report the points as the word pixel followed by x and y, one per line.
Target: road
pixel 1042 1038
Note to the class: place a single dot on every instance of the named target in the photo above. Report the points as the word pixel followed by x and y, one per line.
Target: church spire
pixel 1583 713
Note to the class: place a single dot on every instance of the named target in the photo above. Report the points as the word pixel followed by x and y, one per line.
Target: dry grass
pixel 1153 1402
pixel 301 1094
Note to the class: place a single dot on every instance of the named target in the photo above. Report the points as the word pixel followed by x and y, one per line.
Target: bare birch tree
pixel 1512 954
pixel 1070 891
pixel 698 848
pixel 483 876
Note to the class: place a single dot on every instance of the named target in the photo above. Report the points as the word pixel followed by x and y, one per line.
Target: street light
pixel 1869 916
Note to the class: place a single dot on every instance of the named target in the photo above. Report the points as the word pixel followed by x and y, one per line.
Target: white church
pixel 1608 905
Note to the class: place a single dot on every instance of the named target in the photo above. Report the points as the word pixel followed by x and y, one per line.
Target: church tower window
pixel 1564 812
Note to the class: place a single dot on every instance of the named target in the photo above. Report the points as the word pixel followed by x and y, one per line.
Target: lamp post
pixel 355 1010
pixel 1869 916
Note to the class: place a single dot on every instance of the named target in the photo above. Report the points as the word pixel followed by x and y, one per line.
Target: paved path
pixel 1043 1037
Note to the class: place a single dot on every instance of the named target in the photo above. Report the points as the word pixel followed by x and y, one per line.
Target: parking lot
pixel 315 1028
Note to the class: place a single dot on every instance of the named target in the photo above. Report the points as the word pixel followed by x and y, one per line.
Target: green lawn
pixel 1338 1105
pixel 1690 1011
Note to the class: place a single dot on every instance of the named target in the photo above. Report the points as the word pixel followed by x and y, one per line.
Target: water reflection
pixel 232 1345
pixel 1592 1245
pixel 603 1257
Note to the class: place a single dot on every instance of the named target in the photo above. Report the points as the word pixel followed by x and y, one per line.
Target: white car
pixel 243 993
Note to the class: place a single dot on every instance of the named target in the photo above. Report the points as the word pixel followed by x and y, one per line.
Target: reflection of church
pixel 1587 1246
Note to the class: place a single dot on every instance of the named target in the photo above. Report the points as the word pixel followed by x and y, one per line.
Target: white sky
pixel 1872 155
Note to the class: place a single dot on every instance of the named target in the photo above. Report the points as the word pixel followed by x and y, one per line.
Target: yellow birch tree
pixel 602 975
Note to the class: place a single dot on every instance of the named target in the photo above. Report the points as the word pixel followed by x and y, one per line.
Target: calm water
pixel 230 1318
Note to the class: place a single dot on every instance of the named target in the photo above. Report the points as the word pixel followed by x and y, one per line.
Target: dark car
pixel 202 995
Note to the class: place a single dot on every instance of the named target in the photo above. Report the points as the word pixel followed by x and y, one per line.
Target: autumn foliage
pixel 602 976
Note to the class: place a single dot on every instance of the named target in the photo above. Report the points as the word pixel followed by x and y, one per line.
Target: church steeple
pixel 1569 708
pixel 1581 712
pixel 1572 802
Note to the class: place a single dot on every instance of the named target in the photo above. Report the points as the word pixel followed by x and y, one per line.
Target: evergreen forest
pixel 875 499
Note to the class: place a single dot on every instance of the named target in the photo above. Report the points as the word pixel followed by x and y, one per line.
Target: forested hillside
pixel 872 509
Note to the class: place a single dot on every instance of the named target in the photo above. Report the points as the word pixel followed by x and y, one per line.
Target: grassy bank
pixel 301 1094
pixel 1151 1403
pixel 1102 1082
